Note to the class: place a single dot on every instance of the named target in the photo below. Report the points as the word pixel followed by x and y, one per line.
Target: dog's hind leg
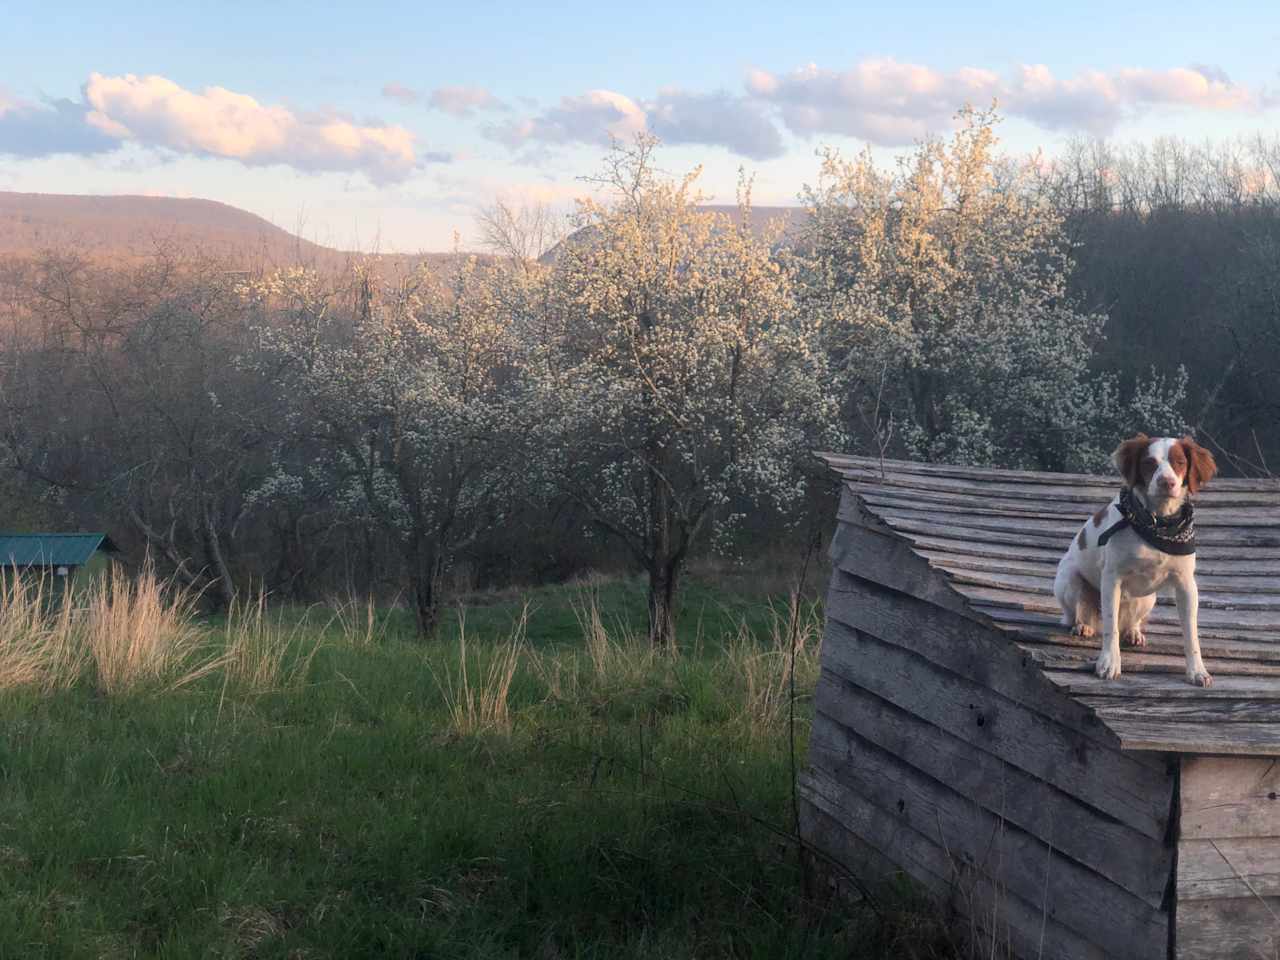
pixel 1081 610
pixel 1133 617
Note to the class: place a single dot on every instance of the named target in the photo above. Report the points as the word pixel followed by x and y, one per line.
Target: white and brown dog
pixel 1140 542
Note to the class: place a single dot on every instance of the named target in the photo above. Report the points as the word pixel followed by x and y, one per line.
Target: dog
pixel 1140 542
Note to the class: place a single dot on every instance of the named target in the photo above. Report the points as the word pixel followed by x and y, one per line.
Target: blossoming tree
pixel 945 291
pixel 678 374
pixel 409 395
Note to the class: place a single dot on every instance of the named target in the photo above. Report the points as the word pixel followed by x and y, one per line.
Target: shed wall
pixel 940 750
pixel 1229 859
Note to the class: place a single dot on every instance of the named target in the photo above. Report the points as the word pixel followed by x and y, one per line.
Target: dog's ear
pixel 1128 458
pixel 1201 467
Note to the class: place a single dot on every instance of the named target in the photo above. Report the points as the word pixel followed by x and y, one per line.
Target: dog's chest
pixel 1141 568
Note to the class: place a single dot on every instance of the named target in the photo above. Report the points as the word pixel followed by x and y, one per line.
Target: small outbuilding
pixel 54 555
pixel 961 737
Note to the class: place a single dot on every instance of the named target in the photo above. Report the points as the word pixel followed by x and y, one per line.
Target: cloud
pixel 891 103
pixel 590 118
pixel 676 116
pixel 464 101
pixel 152 111
pixel 48 128
pixel 218 122
pixel 400 93
pixel 715 118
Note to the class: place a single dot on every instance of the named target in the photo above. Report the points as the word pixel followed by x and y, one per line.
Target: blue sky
pixel 389 124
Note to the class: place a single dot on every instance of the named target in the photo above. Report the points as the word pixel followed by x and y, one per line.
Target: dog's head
pixel 1164 468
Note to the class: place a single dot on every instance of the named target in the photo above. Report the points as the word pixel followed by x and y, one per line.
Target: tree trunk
pixel 664 575
pixel 425 579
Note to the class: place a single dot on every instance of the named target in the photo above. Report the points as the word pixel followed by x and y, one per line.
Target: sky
pixel 388 126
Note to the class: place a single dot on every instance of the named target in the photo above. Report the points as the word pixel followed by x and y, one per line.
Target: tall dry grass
pixel 124 633
pixel 141 632
pixel 38 646
pixel 477 695
pixel 264 651
pixel 771 668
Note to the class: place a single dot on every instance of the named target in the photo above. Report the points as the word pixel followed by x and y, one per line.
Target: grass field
pixel 535 783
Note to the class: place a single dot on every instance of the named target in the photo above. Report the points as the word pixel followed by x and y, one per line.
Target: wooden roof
pixel 995 537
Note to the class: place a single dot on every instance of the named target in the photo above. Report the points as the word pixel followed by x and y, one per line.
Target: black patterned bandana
pixel 1174 534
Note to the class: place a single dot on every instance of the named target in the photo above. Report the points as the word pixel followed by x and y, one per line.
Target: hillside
pixel 121 228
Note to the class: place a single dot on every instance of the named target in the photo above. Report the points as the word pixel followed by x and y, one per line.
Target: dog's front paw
pixel 1082 630
pixel 1198 676
pixel 1107 665
pixel 1134 638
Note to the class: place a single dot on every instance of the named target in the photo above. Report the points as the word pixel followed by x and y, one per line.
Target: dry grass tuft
pixel 141 632
pixel 483 704
pixel 358 621
pixel 263 652
pixel 37 643
pixel 764 668
pixel 620 655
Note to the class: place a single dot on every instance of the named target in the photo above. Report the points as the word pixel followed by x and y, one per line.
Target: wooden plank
pixel 1095 493
pixel 1187 710
pixel 971 840
pixel 1246 738
pixel 1264 534
pixel 960 563
pixel 1121 785
pixel 1225 869
pixel 1256 515
pixel 842 462
pixel 1230 798
pixel 1145 661
pixel 1006 925
pixel 889 560
pixel 850 716
pixel 1244 592
pixel 1160 639
pixel 1015 618
pixel 1240 929
pixel 1159 687
pixel 1210 615
pixel 987 551
pixel 980 527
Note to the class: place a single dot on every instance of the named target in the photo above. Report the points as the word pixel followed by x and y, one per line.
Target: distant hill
pixel 123 228
pixel 794 220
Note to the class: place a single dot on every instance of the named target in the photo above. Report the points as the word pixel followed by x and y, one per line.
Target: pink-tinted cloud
pixel 591 118
pixel 400 93
pixel 676 116
pixel 463 101
pixel 891 103
pixel 218 122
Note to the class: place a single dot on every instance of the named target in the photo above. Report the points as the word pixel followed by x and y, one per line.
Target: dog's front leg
pixel 1108 664
pixel 1188 595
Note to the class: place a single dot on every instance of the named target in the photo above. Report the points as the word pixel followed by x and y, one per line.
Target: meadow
pixel 537 781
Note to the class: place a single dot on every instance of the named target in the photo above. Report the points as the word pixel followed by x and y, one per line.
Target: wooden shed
pixel 961 737
pixel 57 556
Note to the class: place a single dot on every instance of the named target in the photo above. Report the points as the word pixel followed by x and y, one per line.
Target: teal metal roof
pixel 51 549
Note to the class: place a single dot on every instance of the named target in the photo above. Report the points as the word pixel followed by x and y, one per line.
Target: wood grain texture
pixel 1229 869
pixel 1108 780
pixel 867 726
pixel 957 859
pixel 1243 929
pixel 1230 798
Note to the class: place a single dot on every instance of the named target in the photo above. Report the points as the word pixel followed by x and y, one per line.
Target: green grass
pixel 629 805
